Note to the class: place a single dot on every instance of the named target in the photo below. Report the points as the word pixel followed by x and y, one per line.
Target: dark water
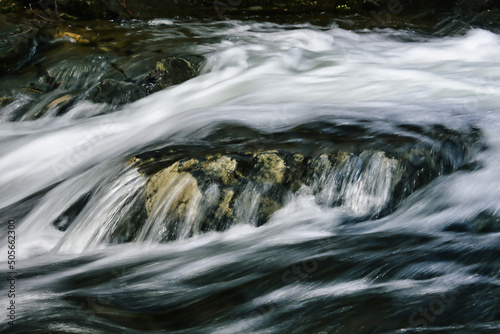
pixel 401 238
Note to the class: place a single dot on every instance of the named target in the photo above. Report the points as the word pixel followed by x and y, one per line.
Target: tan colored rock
pixel 185 165
pixel 58 101
pixel 171 187
pixel 267 207
pixel 342 157
pixel 132 161
pixel 298 158
pixel 271 168
pixel 223 169
pixel 224 210
pixel 76 37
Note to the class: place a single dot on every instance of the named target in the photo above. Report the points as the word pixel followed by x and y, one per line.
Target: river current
pixel 424 263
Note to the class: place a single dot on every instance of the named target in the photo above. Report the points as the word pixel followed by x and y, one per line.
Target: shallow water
pixel 429 265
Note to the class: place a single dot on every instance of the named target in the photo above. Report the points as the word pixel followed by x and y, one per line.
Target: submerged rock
pixel 483 222
pixel 17 43
pixel 115 92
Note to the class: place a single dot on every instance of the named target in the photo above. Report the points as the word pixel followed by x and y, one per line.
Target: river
pixel 426 263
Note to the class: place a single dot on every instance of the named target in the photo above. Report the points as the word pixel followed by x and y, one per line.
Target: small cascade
pixel 173 201
pixel 213 193
pixel 364 184
pixel 203 190
pixel 177 192
pixel 111 216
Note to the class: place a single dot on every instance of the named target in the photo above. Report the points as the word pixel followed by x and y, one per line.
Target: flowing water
pixel 360 247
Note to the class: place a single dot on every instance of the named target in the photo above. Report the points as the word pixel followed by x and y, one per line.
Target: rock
pixel 224 209
pixel 222 169
pixel 246 189
pixel 171 71
pixel 482 222
pixel 6 100
pixel 271 168
pixel 115 92
pixel 486 222
pixel 75 37
pixel 187 165
pixel 18 42
pixel 60 101
pixel 172 204
pixel 166 180
pixel 369 179
pixel 130 9
pixel 186 180
pixel 266 208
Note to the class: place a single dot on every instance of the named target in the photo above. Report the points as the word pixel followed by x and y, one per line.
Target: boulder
pixel 242 188
pixel 233 182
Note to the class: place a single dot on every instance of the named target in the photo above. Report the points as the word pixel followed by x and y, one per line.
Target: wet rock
pixel 17 43
pixel 234 188
pixel 222 169
pixel 130 9
pixel 222 9
pixel 484 222
pixel 115 92
pixel 224 210
pixel 171 71
pixel 266 208
pixel 161 183
pixel 252 193
pixel 60 101
pixel 56 106
pixel 172 204
pixel 270 168
pixel 188 165
pixel 6 100
pixel 72 36
pixel 369 179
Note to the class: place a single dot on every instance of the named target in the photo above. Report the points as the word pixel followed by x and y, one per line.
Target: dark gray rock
pixel 172 71
pixel 115 92
pixel 17 44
